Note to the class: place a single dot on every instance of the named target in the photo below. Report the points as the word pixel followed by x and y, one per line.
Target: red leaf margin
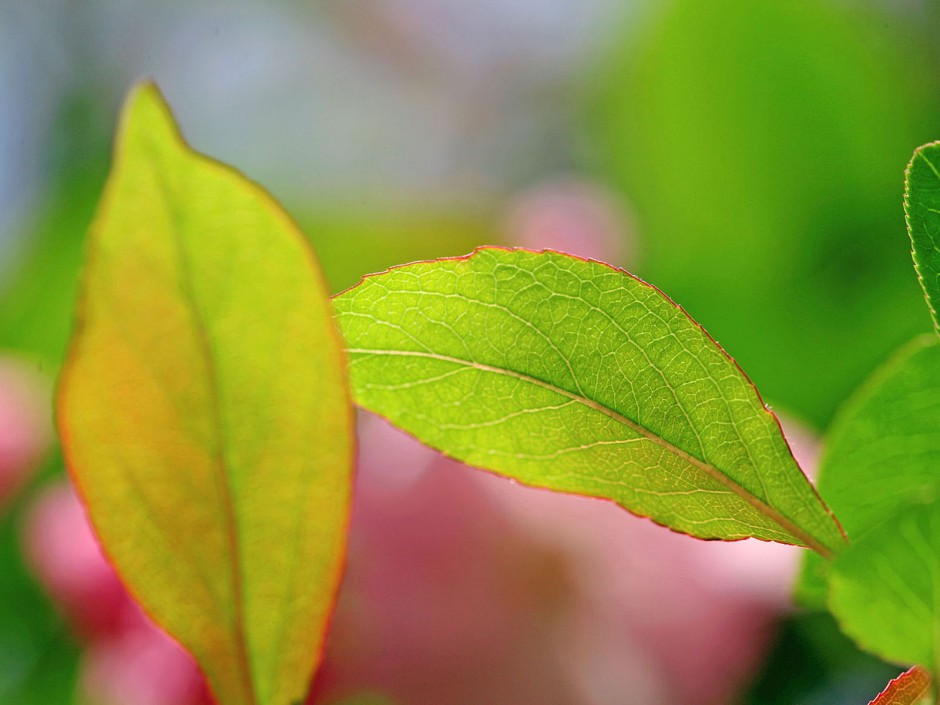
pixel 907 689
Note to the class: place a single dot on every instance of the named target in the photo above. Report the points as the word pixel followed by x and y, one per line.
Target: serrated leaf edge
pixel 784 522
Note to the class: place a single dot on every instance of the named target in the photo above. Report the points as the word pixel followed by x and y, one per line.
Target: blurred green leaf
pixel 882 450
pixel 37 301
pixel 204 415
pixel 575 376
pixel 883 589
pixel 761 145
pixel 922 206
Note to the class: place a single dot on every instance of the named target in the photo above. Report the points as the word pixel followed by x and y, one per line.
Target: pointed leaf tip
pixel 204 412
pixel 910 688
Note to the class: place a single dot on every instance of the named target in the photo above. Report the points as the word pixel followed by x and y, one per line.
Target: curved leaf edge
pixel 812 544
pixel 80 324
pixel 907 221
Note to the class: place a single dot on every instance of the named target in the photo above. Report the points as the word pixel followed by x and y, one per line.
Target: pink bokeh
pixel 576 216
pixel 463 587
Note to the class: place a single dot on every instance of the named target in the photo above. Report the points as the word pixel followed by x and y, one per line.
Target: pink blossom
pixel 574 216
pixel 463 587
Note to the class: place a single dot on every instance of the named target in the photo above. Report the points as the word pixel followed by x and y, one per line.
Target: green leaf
pixel 884 589
pixel 922 208
pixel 812 582
pixel 204 415
pixel 575 376
pixel 910 688
pixel 882 450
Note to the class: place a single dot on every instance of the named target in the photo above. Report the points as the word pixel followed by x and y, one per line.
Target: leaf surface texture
pixel 575 376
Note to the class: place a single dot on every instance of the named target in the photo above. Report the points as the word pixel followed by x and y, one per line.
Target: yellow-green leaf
pixel 576 376
pixel 204 414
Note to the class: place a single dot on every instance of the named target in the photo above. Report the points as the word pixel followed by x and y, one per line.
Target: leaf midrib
pixel 761 506
pixel 220 462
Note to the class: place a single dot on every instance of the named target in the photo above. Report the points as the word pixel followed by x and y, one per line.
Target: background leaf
pixel 203 412
pixel 884 588
pixel 922 207
pixel 881 452
pixel 910 688
pixel 754 142
pixel 576 376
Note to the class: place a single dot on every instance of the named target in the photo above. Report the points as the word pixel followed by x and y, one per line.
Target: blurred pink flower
pixel 25 424
pixel 142 666
pixel 65 557
pixel 463 587
pixel 574 216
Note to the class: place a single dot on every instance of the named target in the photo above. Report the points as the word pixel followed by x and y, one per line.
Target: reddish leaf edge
pixel 812 544
pixel 80 324
pixel 909 688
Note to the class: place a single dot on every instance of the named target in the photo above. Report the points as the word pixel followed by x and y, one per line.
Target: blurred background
pixel 745 157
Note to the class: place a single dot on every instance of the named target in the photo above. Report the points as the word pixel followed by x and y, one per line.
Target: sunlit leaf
pixel 575 376
pixel 883 449
pixel 910 688
pixel 922 207
pixel 204 415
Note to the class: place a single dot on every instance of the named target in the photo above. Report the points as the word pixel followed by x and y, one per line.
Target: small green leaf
pixel 882 450
pixel 922 208
pixel 204 415
pixel 572 375
pixel 910 688
pixel 885 589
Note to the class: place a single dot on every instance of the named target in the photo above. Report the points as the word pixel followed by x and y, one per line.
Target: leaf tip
pixel 909 688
